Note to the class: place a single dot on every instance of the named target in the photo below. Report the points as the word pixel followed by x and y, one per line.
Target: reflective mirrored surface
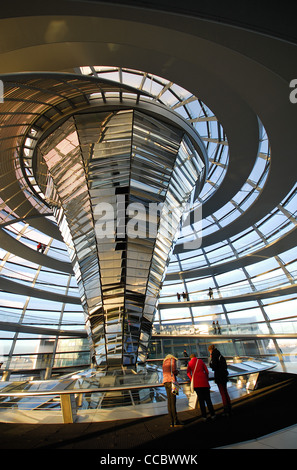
pixel 118 183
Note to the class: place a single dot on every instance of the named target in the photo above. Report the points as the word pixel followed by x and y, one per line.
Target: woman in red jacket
pixel 197 368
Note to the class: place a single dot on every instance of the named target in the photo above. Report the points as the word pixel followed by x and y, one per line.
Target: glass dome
pixel 247 256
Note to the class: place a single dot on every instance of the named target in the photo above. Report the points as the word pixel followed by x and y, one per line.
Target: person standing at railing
pixel 186 356
pixel 218 328
pixel 170 373
pixel 219 366
pixel 199 372
pixel 41 247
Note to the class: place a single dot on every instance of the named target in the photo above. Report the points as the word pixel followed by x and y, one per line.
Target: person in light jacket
pixel 197 368
pixel 169 375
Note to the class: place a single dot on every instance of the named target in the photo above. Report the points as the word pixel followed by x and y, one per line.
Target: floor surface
pixel 265 419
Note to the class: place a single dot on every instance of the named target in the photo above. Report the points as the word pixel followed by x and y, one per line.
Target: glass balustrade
pixel 236 290
pixel 274 328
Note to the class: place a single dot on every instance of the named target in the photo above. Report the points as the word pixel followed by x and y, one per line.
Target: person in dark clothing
pixel 218 328
pixel 185 354
pixel 219 366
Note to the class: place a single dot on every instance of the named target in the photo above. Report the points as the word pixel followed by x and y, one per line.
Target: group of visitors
pixel 216 328
pixel 198 371
pixel 184 295
pixel 41 247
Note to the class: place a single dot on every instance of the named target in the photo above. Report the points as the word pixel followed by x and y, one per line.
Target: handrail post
pixel 45 374
pixel 5 375
pixel 79 400
pixel 68 406
pixel 48 373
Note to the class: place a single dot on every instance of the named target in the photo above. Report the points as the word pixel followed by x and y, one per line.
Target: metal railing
pixel 274 328
pixel 70 399
pixel 237 289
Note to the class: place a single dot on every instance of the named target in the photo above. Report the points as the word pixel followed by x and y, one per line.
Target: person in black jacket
pixel 219 366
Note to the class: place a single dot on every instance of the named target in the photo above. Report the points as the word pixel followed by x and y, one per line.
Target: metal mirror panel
pixel 120 182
